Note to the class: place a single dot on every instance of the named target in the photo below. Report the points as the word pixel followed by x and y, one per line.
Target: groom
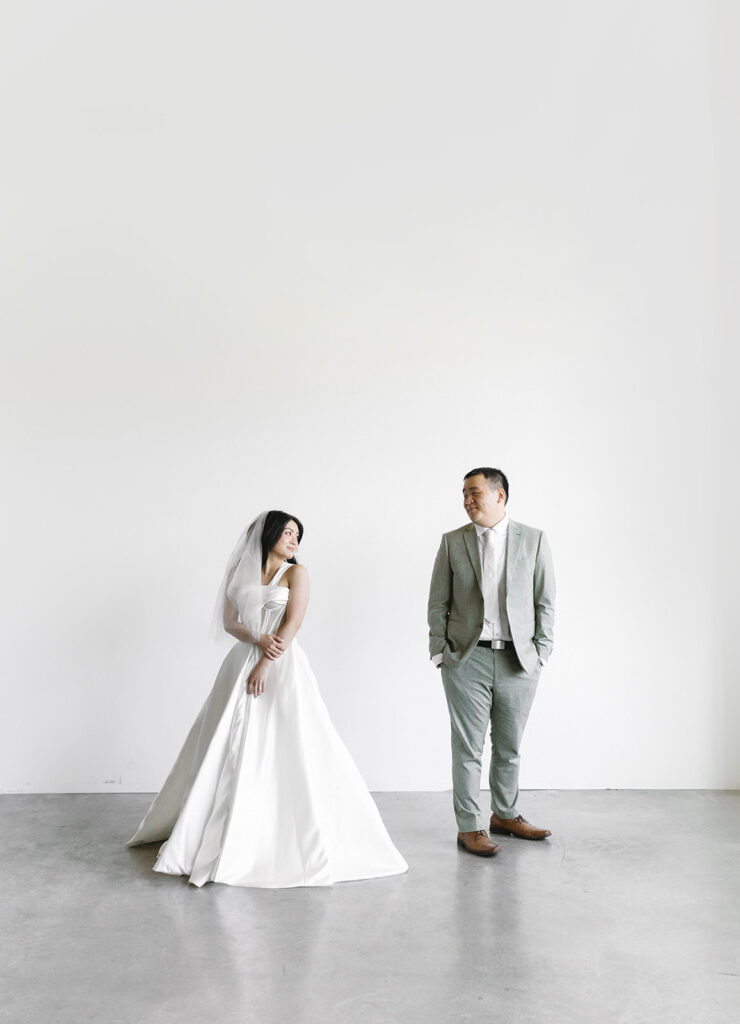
pixel 491 605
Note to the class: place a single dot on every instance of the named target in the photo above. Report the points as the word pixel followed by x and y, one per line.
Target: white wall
pixel 328 257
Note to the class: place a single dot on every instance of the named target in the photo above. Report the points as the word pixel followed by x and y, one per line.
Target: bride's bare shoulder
pixel 296 572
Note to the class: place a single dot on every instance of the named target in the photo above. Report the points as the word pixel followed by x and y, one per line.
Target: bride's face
pixel 287 546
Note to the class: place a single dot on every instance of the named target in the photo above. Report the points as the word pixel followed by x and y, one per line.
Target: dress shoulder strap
pixel 280 573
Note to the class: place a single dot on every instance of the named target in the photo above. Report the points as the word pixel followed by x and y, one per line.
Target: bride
pixel 264 793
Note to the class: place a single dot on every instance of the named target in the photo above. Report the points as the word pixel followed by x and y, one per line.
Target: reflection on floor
pixel 628 914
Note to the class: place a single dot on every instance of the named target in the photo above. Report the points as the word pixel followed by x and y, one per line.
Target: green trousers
pixel 489 688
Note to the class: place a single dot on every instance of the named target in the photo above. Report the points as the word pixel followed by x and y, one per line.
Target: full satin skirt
pixel 264 793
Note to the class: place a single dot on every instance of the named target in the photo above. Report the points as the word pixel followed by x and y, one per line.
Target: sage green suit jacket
pixel 455 611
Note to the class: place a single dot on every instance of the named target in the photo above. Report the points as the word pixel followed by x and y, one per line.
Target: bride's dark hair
pixel 272 530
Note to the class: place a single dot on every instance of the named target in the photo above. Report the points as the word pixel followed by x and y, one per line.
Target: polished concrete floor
pixel 629 914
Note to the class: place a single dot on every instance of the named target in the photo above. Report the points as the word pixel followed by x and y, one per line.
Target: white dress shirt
pixel 493 563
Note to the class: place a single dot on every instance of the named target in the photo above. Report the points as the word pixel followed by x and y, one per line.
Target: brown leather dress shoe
pixel 477 843
pixel 518 827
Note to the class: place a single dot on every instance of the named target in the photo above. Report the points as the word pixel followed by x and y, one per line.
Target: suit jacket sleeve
pixel 440 597
pixel 544 600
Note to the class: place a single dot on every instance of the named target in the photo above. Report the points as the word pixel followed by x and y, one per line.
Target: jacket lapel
pixel 513 547
pixel 471 543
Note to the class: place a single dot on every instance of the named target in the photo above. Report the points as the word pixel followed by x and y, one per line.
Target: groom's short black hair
pixel 496 478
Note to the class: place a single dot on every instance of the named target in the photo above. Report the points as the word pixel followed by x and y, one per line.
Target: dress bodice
pixel 274 600
pixel 273 597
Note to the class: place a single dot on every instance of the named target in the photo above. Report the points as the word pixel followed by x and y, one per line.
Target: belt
pixel 496 645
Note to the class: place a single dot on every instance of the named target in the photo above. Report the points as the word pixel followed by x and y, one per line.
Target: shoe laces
pixel 481 832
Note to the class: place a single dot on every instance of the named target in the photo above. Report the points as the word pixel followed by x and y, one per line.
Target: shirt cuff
pixel 437 660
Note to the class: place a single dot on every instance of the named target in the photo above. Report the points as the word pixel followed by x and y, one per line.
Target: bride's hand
pixel 258 678
pixel 272 645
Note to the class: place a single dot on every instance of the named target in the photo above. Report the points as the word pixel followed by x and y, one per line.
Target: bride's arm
pixel 297 579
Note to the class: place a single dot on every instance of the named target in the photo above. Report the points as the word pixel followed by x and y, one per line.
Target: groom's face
pixel 484 506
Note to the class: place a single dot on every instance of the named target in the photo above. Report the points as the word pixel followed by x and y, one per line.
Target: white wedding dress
pixel 264 793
